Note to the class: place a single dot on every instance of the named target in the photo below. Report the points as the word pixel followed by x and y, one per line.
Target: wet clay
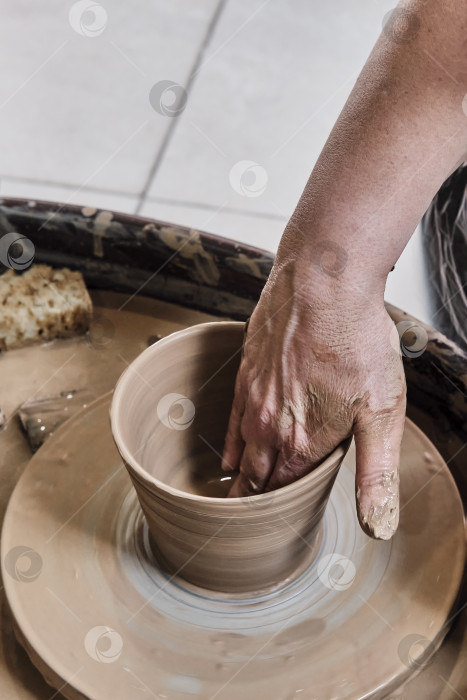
pixel 101 618
pixel 211 482
pixel 169 419
pixel 90 363
pixel 381 520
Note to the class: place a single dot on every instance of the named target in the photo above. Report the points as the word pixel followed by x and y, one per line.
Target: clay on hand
pixel 311 375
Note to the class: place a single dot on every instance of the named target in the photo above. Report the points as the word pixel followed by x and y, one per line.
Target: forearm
pixel 400 134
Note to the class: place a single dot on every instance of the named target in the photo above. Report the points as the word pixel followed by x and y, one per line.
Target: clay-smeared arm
pixel 318 361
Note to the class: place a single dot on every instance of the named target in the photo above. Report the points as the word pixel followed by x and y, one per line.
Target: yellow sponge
pixel 41 304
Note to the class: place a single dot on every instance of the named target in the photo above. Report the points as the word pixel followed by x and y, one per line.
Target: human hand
pixel 314 371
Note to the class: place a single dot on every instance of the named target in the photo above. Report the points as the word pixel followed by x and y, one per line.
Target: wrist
pixel 324 310
pixel 323 277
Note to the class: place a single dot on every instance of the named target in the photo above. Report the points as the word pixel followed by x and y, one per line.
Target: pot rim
pixel 115 420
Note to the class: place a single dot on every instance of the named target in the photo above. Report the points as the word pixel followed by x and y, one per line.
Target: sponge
pixel 41 304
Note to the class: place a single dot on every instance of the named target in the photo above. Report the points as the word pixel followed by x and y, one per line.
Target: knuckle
pixel 258 423
pixel 296 448
pixel 264 419
pixel 383 421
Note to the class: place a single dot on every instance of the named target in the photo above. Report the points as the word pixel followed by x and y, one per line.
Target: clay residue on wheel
pixel 378 510
pixel 172 632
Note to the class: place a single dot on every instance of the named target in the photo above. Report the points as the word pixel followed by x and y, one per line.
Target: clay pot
pixel 169 417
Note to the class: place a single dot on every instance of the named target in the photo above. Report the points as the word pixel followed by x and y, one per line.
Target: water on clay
pixel 204 478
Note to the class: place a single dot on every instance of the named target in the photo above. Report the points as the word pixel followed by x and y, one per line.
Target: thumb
pixel 377 443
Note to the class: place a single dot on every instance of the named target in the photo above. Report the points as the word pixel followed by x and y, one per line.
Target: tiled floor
pixel 265 81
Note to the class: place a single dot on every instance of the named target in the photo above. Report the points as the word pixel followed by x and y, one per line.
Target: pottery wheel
pixel 100 619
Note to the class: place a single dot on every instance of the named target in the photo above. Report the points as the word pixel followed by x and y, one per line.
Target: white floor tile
pixel 68 195
pixel 75 109
pixel 273 82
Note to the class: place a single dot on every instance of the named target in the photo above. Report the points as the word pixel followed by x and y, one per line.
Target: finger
pixel 377 478
pixel 302 453
pixel 234 443
pixel 287 470
pixel 256 466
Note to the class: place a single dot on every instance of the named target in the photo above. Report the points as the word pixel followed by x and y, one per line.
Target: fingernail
pixel 378 507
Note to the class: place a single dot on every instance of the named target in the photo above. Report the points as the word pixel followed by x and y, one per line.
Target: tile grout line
pixel 63 185
pixel 50 184
pixel 213 207
pixel 170 131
